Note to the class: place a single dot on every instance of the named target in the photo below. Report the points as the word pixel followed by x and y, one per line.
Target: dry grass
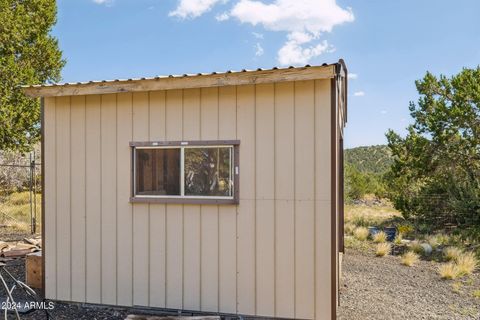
pixel 365 216
pixel 15 211
pixel 398 239
pixel 452 253
pixel 416 247
pixel 409 258
pixel 349 228
pixel 383 249
pixel 434 241
pixel 466 263
pixel 476 294
pixel 457 287
pixel 448 271
pixel 380 237
pixel 360 233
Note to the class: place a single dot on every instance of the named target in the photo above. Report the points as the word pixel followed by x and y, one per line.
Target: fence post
pixel 34 167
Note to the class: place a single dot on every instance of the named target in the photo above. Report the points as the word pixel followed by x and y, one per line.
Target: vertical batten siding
pixel 227 224
pixel 93 199
pixel 323 298
pixel 77 140
pixel 304 198
pixel 108 114
pixel 246 210
pixel 63 198
pixel 124 208
pixel 50 199
pixel 265 203
pixel 174 230
pixel 140 211
pixel 157 211
pixel 284 200
pixel 267 256
pixel 191 213
pixel 209 213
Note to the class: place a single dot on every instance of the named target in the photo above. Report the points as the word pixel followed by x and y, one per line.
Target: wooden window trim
pixel 186 200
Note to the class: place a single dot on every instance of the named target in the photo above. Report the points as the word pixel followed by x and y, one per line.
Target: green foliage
pixel 364 170
pixel 358 184
pixel 370 159
pixel 28 55
pixel 435 176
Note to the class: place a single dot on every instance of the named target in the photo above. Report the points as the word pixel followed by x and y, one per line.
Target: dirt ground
pixel 382 288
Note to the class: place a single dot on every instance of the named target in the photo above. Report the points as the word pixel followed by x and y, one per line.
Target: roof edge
pixel 186 81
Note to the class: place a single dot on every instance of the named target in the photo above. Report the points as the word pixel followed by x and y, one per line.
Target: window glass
pixel 157 172
pixel 208 171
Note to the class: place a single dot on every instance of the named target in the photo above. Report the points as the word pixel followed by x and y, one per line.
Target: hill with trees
pixel 364 171
pixel 369 159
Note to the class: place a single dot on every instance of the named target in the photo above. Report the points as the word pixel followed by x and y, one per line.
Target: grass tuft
pixel 416 247
pixel 398 239
pixel 452 253
pixel 383 249
pixel 448 271
pixel 476 294
pixel 380 237
pixel 410 258
pixel 360 233
pixel 434 241
pixel 349 228
pixel 466 263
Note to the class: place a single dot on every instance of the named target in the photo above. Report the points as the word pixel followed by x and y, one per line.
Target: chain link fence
pixel 20 192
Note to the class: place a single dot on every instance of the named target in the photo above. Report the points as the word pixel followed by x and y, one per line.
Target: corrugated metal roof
pixel 160 77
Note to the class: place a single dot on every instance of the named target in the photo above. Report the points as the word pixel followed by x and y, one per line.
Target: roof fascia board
pixel 184 82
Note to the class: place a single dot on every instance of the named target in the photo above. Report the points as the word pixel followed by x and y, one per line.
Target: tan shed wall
pixel 268 256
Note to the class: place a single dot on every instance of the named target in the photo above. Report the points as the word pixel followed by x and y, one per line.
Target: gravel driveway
pixel 382 288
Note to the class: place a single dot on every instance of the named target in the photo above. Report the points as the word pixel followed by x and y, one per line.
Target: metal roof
pixel 163 77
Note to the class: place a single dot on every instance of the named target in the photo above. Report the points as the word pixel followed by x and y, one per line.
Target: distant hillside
pixel 372 159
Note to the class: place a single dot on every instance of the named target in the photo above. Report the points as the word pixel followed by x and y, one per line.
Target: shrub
pixel 410 258
pixel 405 229
pixel 361 233
pixel 466 263
pixel 448 271
pixel 383 249
pixel 452 253
pixel 380 237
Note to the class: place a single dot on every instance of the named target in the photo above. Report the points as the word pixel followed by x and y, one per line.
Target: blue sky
pixel 387 45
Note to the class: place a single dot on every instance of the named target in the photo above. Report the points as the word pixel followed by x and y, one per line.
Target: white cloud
pixel 384 112
pixel 293 52
pixel 222 17
pixel 352 76
pixel 258 50
pixel 257 35
pixel 303 20
pixel 191 8
pixel 359 94
pixel 105 2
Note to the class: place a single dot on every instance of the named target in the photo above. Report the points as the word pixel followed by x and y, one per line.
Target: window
pixel 185 172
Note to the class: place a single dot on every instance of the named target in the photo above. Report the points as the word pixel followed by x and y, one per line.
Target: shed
pixel 218 193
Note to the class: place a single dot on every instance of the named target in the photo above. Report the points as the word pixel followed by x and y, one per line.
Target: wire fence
pixel 20 175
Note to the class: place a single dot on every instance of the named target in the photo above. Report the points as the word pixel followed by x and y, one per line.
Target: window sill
pixel 182 200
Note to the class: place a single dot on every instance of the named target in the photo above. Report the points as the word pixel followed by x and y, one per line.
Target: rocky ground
pixel 382 288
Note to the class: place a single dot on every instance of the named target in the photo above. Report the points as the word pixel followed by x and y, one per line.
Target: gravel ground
pixel 61 310
pixel 382 288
